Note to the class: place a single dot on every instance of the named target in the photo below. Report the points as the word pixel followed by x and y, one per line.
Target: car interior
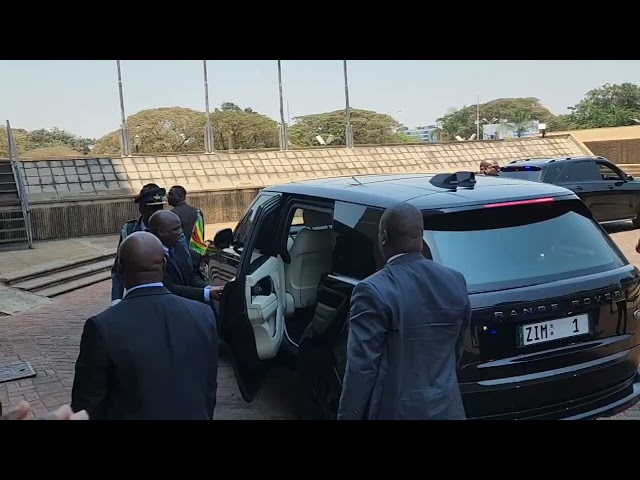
pixel 317 250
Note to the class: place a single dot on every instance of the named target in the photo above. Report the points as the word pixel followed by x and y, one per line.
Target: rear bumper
pixel 613 407
pixel 550 396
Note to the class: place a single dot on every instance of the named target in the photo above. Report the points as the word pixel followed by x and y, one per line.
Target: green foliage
pixel 368 127
pixel 608 106
pixel 38 140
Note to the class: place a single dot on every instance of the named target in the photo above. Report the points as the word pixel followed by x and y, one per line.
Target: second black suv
pixel 555 322
pixel 610 194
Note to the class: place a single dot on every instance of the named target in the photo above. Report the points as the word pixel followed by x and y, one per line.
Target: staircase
pixel 13 227
pixel 62 277
pixel 15 215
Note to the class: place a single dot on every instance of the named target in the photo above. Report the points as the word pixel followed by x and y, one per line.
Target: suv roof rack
pixel 454 180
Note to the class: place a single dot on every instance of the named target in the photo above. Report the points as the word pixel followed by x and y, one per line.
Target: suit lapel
pixel 173 262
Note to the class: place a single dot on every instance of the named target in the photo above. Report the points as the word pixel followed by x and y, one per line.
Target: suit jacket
pixel 407 327
pixel 152 356
pixel 180 278
pixel 188 216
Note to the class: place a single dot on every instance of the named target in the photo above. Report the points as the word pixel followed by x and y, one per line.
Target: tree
pixel 56 139
pixel 608 106
pixel 457 123
pixel 178 129
pixel 368 127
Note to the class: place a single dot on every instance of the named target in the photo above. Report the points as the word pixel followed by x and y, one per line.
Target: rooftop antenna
pixel 356 180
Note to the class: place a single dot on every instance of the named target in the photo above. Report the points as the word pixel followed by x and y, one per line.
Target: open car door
pixel 253 304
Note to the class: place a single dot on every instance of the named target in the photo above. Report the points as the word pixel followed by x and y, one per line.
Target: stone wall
pixel 93 196
pixel 75 218
pixel 95 178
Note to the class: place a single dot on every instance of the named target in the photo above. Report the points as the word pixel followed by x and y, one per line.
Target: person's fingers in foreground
pixel 81 415
pixel 19 412
pixel 61 413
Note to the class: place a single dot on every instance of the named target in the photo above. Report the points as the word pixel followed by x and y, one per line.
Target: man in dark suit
pixel 407 327
pixel 154 355
pixel 179 276
pixel 189 216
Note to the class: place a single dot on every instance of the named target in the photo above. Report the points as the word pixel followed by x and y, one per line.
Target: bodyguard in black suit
pixel 179 276
pixel 407 326
pixel 154 355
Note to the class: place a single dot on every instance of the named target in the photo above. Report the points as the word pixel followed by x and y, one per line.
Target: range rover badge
pixel 636 314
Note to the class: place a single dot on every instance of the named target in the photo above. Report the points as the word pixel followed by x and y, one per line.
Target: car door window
pixel 583 171
pixel 244 226
pixel 608 173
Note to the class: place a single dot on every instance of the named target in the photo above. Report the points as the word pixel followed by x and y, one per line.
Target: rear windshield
pixel 523 172
pixel 517 246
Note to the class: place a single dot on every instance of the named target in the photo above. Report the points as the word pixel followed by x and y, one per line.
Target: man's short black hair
pixel 181 191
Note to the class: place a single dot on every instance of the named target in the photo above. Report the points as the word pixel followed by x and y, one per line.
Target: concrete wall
pixel 73 218
pixel 618 151
pixel 90 196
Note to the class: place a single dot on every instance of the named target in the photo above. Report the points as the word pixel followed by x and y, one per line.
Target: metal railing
pixel 22 192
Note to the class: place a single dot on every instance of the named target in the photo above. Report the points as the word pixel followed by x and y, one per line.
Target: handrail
pixel 22 193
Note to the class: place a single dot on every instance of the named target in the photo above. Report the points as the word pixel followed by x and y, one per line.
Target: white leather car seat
pixel 311 256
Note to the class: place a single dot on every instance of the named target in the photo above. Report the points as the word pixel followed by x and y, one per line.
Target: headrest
pixel 313 218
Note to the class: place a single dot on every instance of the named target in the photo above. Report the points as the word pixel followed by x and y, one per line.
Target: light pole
pixel 478 117
pixel 125 141
pixel 284 139
pixel 208 129
pixel 349 131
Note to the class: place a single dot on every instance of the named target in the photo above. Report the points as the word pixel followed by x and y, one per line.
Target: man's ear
pixel 119 266
pixel 164 263
pixel 384 238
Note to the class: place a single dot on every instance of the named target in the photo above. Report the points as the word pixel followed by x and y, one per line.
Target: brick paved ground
pixel 49 338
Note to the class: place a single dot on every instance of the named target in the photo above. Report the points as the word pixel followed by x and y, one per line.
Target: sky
pixel 81 96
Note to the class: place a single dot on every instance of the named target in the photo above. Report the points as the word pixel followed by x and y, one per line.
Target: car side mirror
pixel 630 177
pixel 223 238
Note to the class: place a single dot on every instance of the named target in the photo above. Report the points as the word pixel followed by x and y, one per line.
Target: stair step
pixel 75 284
pixel 10 230
pixel 9 220
pixel 55 267
pixel 46 281
pixel 13 240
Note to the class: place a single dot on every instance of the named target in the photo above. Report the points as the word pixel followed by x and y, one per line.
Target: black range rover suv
pixel 556 312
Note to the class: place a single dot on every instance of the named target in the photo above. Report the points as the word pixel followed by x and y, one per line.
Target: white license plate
pixel 556 329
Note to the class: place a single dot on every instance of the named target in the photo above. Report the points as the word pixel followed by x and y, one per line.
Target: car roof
pixel 542 161
pixel 420 189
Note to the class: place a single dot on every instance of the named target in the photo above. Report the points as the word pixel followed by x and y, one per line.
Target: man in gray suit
pixel 407 327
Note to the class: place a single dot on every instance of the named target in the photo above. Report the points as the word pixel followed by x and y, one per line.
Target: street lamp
pixel 124 131
pixel 349 130
pixel 208 129
pixel 284 137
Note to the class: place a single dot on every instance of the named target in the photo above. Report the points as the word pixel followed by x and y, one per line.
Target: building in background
pixel 425 133
pixel 503 130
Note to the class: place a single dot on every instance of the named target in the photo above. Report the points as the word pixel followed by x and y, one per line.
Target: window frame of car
pixel 293 203
pixel 249 215
pixel 622 177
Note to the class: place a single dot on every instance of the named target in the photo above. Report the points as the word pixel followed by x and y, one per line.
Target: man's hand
pixel 216 292
pixel 21 411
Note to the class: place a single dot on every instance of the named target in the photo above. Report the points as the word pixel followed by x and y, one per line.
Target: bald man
pixel 152 356
pixel 407 327
pixel 490 167
pixel 179 275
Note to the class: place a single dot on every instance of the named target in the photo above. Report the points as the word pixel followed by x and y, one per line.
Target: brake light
pixel 520 202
